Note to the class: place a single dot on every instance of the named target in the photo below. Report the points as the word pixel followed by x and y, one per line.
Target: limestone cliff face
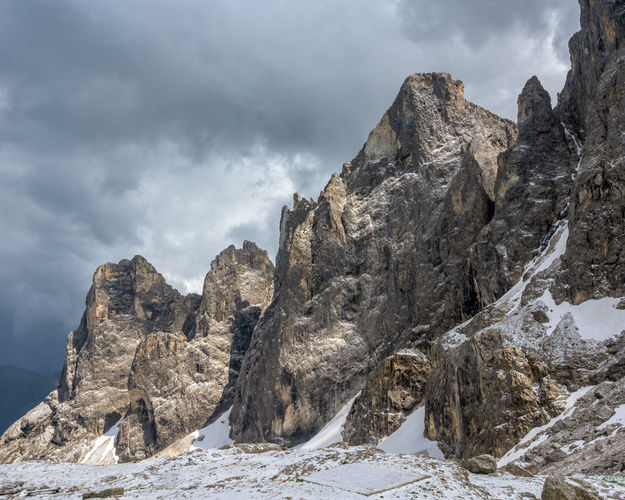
pixel 380 260
pixel 436 218
pixel 161 362
pixel 126 302
pixel 531 193
pixel 180 381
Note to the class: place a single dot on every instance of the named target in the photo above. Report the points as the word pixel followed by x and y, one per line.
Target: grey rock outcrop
pixel 181 381
pixel 126 302
pixel 392 391
pixel 160 362
pixel 482 464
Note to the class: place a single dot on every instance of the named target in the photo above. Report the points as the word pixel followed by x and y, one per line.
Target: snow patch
pixel 214 435
pixel 102 450
pixel 595 319
pixel 331 432
pixel 409 438
pixel 366 479
pixel 617 418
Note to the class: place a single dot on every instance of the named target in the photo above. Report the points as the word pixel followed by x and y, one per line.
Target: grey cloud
pixel 479 22
pixel 173 129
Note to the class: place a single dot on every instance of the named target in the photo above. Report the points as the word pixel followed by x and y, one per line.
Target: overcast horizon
pixel 173 130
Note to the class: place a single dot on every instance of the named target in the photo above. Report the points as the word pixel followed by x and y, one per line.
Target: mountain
pixel 147 361
pixel 21 390
pixel 461 282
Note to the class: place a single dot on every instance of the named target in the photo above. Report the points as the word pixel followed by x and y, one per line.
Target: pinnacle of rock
pixel 533 99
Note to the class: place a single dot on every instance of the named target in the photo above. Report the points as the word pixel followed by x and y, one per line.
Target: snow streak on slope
pixel 409 437
pixel 102 450
pixel 617 418
pixel 332 431
pixel 214 435
pixel 554 250
pixel 595 319
pixel 538 434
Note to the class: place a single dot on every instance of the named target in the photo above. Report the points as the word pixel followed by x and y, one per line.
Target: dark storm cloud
pixel 478 22
pixel 173 129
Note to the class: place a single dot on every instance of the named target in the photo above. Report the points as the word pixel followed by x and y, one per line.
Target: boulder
pixel 556 487
pixel 482 464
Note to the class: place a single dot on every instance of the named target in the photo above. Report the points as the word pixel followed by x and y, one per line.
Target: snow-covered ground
pixel 595 319
pixel 399 468
pixel 232 473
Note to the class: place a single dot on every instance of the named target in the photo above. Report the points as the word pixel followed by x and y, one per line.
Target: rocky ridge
pixel 433 223
pixel 455 267
pixel 157 364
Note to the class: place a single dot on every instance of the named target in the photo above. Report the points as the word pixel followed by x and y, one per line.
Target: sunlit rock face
pixel 379 261
pixel 163 363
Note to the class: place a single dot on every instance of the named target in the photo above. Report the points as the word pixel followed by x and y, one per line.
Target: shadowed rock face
pixel 164 362
pixel 529 391
pixel 379 261
pixel 532 193
pixel 592 100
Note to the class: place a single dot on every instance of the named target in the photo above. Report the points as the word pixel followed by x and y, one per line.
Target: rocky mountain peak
pixel 440 85
pixel 250 255
pixel 534 99
pixel 238 278
pixel 423 111
pixel 354 268
pixel 143 352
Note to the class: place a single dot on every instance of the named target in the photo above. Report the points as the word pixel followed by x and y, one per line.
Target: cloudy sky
pixel 172 129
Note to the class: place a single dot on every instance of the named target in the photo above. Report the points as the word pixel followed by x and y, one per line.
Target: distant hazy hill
pixel 20 391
